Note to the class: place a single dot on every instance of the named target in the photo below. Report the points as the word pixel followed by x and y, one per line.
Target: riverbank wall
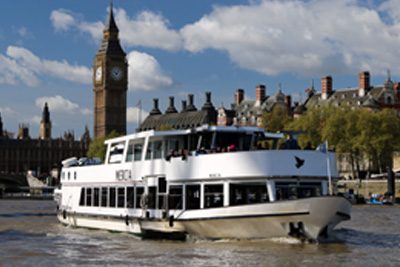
pixel 364 187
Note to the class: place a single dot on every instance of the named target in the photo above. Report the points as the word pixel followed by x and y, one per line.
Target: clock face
pixel 98 74
pixel 116 73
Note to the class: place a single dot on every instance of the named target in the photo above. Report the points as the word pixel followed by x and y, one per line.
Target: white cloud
pixel 57 104
pixel 145 29
pixel 145 73
pixel 7 111
pixel 132 114
pixel 311 37
pixel 36 120
pixel 21 65
pixel 62 19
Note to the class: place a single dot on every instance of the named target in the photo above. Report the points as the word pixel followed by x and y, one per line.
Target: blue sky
pixel 178 47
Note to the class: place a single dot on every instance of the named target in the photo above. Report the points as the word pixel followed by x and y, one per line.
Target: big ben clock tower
pixel 110 82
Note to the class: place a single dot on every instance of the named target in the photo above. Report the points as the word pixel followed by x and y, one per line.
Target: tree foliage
pixel 97 149
pixel 276 120
pixel 359 132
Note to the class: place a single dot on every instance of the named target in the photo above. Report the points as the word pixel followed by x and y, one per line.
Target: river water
pixel 31 236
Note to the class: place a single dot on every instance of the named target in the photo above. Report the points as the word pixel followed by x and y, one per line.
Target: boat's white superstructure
pixel 212 182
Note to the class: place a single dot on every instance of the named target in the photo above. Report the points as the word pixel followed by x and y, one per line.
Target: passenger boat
pixel 211 182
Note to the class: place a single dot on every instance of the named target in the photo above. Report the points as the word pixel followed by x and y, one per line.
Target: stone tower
pixel 45 124
pixel 110 82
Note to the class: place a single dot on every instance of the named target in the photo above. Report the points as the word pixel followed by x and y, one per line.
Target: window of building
pixel 192 197
pixel 175 197
pixel 213 195
pixel 242 194
pixel 121 197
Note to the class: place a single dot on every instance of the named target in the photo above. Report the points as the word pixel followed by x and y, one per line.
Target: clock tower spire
pixel 110 82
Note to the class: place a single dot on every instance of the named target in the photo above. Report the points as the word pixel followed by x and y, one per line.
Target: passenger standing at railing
pixel 291 143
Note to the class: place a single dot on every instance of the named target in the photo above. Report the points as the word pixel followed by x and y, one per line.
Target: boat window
pixel 242 194
pixel 213 195
pixel 96 196
pixel 175 197
pixel 129 197
pixel 151 204
pixel 88 196
pixel 116 152
pixel 295 190
pixel 162 185
pixel 137 152
pixel 149 150
pixel 171 147
pixel 157 149
pixel 192 197
pixel 112 197
pixel 139 193
pixel 82 198
pixel 121 197
pixel 104 196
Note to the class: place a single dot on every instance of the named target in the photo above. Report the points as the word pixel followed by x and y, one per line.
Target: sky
pixel 177 47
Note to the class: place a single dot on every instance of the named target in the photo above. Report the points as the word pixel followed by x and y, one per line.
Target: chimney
pixel 326 84
pixel 191 106
pixel 239 96
pixel 208 105
pixel 363 83
pixel 23 131
pixel 171 108
pixel 155 110
pixel 288 103
pixel 184 106
pixel 260 94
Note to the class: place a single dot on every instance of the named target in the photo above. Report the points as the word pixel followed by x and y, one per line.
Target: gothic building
pixel 110 82
pixel 365 95
pixel 23 153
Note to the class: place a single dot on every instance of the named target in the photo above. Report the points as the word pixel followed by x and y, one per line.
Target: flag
pixel 322 147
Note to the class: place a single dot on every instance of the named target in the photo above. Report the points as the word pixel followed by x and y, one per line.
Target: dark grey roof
pixel 182 120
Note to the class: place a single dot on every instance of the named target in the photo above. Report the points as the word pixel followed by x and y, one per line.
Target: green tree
pixel 276 120
pixel 97 149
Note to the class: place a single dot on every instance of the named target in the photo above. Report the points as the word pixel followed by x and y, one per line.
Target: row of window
pixel 133 197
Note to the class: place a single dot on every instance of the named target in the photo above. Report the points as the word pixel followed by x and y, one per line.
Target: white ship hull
pixel 306 218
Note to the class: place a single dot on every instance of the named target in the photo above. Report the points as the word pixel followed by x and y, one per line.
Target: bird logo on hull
pixel 299 162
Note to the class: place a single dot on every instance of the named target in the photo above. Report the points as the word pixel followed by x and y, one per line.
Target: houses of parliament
pixel 110 81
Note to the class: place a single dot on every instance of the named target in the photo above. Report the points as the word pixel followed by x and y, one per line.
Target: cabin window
pixel 175 197
pixel 139 193
pixel 242 194
pixel 213 196
pixel 82 198
pixel 149 150
pixel 171 146
pixel 104 196
pixel 157 149
pixel 121 197
pixel 192 197
pixel 129 197
pixel 137 152
pixel 151 204
pixel 112 197
pixel 96 197
pixel 129 153
pixel 162 185
pixel 116 152
pixel 295 190
pixel 88 196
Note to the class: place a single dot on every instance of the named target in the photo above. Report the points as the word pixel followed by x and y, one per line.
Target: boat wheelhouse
pixel 209 181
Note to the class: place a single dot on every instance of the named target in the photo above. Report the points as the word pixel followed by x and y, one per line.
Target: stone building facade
pixel 23 153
